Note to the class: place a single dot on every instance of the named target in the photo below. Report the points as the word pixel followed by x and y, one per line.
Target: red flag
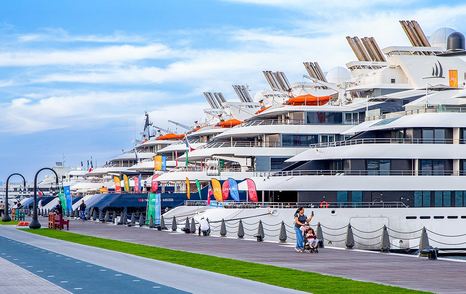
pixel 154 184
pixel 252 193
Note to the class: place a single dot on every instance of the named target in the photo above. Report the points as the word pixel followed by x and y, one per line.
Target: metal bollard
pixel 193 226
pixel 240 230
pixel 260 232
pixel 101 215
pixel 187 227
pixel 282 236
pixel 133 220
pixel 162 224
pixel 385 243
pixel 94 214
pixel 349 237
pixel 424 241
pixel 320 235
pixel 151 222
pixel 223 229
pixel 107 216
pixel 174 226
pixel 141 220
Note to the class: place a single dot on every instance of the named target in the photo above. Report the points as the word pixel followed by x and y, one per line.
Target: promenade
pixel 440 276
pixel 59 267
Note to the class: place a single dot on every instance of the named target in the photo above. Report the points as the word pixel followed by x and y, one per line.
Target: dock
pixel 439 276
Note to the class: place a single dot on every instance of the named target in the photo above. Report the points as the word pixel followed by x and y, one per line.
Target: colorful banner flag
pixel 154 184
pixel 217 188
pixel 209 194
pixel 126 182
pixel 188 189
pixel 199 189
pixel 158 162
pixel 136 184
pixel 103 190
pixel 164 163
pixel 140 183
pixel 62 199
pixel 225 190
pixel 117 182
pixel 252 193
pixel 176 158
pixel 69 201
pixel 154 208
pixel 234 193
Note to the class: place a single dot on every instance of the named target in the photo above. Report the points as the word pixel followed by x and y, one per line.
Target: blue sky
pixel 77 76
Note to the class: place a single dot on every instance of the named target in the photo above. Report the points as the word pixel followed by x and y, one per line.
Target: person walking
pixel 82 210
pixel 300 219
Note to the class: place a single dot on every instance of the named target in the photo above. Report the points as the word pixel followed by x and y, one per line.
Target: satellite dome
pixel 338 75
pixel 439 37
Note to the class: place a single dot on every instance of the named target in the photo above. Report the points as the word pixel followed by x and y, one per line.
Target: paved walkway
pixel 15 279
pixel 84 269
pixel 438 276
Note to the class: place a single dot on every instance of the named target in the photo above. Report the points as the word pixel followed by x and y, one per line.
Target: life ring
pixel 323 204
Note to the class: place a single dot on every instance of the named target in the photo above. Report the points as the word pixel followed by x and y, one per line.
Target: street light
pixel 35 222
pixel 6 216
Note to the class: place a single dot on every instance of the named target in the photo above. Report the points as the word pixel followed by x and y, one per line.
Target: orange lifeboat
pixel 263 109
pixel 171 137
pixel 229 123
pixel 309 99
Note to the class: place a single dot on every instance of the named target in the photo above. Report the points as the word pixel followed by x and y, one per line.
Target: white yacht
pixel 402 169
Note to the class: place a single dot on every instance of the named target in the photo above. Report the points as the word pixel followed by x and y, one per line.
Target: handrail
pixel 358 173
pixel 247 144
pixel 386 141
pixel 242 204
pixel 430 109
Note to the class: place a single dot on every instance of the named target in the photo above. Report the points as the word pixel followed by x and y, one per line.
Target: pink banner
pixel 225 190
pixel 252 193
pixel 136 184
pixel 209 194
pixel 154 184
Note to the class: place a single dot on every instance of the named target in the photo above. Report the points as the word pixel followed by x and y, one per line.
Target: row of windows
pixel 440 198
pixel 334 117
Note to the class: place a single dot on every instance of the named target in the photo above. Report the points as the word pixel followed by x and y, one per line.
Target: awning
pixel 117 200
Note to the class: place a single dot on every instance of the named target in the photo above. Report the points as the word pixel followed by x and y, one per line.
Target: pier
pixel 440 276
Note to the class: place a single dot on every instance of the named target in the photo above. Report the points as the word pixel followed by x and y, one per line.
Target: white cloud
pixel 75 110
pixel 85 56
pixel 62 36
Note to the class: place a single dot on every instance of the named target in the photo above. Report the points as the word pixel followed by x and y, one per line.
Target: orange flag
pixel 217 187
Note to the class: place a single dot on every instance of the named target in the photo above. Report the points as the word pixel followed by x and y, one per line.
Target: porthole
pixel 452 217
pixel 411 217
pixel 424 217
pixel 439 217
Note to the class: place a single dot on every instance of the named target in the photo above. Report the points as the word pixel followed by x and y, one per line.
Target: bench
pixel 57 222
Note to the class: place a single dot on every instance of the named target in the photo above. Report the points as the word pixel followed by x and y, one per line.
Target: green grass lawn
pixel 273 275
pixel 9 223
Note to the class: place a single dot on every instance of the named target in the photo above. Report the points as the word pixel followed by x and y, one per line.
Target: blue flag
pixel 233 189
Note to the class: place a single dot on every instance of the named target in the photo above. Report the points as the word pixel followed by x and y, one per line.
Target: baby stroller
pixel 311 243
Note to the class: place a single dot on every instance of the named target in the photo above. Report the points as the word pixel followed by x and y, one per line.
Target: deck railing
pixel 358 173
pixel 235 204
pixel 386 141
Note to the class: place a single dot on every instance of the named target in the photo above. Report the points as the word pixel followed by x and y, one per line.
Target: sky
pixel 77 76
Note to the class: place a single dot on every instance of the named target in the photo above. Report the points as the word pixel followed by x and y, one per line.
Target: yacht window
pixel 442 199
pixel 324 118
pixel 460 198
pixel 436 167
pixel 342 197
pixel 421 198
pixel 378 167
pixel 299 140
pixel 427 135
pixel 356 198
pixel 277 163
pixel 426 198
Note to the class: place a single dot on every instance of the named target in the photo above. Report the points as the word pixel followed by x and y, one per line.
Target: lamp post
pixel 35 222
pixel 6 216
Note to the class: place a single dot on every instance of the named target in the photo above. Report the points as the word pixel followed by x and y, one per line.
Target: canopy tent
pixel 123 200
